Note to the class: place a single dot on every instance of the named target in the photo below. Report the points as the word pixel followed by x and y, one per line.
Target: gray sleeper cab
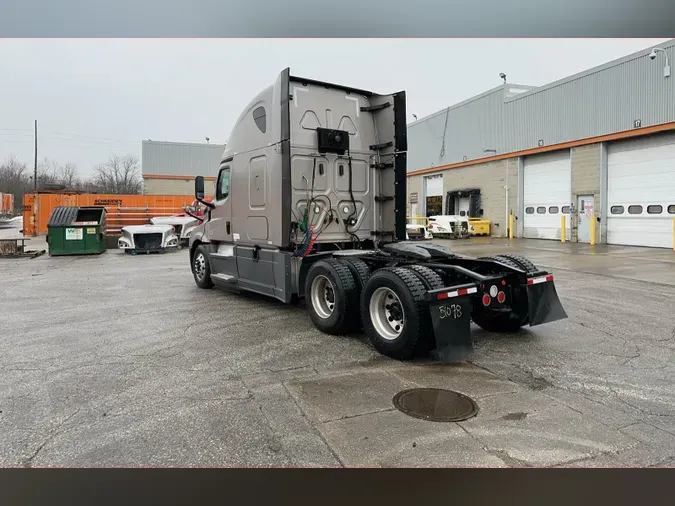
pixel 310 202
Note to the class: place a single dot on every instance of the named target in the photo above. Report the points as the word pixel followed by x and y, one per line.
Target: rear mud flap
pixel 543 303
pixel 451 318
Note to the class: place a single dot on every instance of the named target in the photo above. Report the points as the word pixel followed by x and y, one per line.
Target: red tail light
pixel 486 300
pixel 501 297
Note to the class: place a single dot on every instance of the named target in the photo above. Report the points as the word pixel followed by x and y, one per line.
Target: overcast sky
pixel 94 98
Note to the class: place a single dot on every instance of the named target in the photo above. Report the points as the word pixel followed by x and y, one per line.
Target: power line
pixel 60 135
pixel 17 130
pixel 94 137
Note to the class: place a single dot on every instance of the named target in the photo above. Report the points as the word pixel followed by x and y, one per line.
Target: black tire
pixel 494 321
pixel 359 270
pixel 524 263
pixel 361 273
pixel 331 317
pixel 431 281
pixel 202 275
pixel 417 328
pixel 503 260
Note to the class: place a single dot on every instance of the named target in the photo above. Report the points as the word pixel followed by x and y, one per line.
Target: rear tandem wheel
pixel 395 313
pixel 331 295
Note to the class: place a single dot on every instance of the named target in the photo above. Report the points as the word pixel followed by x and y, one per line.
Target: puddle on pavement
pixel 435 404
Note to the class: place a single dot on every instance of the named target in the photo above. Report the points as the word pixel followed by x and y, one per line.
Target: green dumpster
pixel 76 231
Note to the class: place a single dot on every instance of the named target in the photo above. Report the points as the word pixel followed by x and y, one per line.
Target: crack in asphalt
pixel 316 430
pixel 500 454
pixel 56 432
pixel 641 410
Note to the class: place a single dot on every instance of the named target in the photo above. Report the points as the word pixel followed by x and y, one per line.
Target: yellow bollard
pixel 511 226
pixel 593 221
pixel 563 229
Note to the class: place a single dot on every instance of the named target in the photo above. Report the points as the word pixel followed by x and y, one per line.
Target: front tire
pixel 331 294
pixel 201 269
pixel 395 313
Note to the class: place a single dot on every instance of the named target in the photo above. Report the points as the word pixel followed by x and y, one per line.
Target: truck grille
pixel 147 241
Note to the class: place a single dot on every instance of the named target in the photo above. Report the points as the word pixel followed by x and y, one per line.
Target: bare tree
pixel 67 175
pixel 119 175
pixel 15 179
pixel 47 172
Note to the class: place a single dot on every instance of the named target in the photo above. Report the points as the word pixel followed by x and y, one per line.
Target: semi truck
pixel 310 203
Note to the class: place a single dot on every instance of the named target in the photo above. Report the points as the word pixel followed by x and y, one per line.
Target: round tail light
pixel 486 300
pixel 501 297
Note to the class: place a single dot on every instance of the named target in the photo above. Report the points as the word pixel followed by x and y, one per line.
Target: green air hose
pixel 303 224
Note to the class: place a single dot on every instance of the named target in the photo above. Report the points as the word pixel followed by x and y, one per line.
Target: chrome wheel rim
pixel 322 296
pixel 200 266
pixel 386 313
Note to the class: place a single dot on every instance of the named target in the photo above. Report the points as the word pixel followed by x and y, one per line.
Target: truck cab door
pixel 219 228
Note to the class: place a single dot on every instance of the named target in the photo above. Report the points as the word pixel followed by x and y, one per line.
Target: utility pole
pixel 35 166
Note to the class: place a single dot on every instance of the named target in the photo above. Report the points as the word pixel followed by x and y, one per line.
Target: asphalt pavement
pixel 119 360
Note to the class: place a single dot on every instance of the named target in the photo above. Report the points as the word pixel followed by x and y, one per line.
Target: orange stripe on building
pixel 553 147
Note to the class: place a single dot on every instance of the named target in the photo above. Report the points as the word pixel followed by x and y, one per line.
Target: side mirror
pixel 199 187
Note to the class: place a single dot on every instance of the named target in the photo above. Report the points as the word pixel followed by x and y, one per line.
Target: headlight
pixel 123 243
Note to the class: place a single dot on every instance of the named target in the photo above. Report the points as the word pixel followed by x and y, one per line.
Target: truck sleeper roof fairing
pixel 274 142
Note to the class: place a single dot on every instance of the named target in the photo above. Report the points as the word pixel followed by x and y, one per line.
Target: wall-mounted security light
pixel 652 56
pixel 490 151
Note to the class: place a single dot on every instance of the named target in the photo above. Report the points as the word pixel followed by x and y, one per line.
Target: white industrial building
pixel 170 168
pixel 596 145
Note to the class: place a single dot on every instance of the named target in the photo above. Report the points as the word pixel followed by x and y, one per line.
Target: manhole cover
pixel 435 404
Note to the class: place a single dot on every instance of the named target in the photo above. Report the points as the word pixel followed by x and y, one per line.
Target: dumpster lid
pixel 62 215
pixel 92 215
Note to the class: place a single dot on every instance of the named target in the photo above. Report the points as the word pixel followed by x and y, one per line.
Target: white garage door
pixel 547 194
pixel 433 186
pixel 641 192
pixel 433 192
